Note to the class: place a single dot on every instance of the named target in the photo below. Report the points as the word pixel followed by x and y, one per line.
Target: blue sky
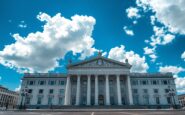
pixel 150 34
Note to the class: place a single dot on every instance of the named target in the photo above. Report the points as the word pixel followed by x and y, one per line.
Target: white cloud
pixel 149 50
pixel 183 55
pixel 18 88
pixel 41 51
pixel 179 81
pixel 172 69
pixel 168 12
pixel 138 63
pixel 128 31
pixel 132 12
pixel 22 24
pixel 180 84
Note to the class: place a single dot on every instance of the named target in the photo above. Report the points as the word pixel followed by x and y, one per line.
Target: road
pixel 124 112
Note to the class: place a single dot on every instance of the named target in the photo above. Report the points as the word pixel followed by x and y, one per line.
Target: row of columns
pixel 67 93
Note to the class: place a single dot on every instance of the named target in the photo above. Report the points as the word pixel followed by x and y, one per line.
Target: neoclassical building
pixel 98 81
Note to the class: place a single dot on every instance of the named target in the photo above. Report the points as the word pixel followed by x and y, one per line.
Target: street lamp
pixel 23 94
pixel 171 93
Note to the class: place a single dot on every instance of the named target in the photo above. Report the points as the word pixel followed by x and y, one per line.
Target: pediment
pixel 99 62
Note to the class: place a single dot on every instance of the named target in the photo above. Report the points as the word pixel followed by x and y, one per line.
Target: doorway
pixel 101 99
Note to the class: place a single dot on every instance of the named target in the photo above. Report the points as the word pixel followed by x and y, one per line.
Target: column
pixel 67 92
pixel 129 91
pixel 107 90
pixel 96 90
pixel 78 91
pixel 118 90
pixel 89 90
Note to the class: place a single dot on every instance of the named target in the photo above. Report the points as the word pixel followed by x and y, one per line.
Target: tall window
pixel 50 99
pixel 146 100
pixel 168 100
pixel 28 100
pixel 136 99
pixel 60 101
pixel 39 100
pixel 157 100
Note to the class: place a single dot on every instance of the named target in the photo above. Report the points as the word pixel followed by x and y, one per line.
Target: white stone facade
pixel 98 81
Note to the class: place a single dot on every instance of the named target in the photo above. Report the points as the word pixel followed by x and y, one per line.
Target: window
pixel 39 100
pixel 30 91
pixel 145 91
pixel 144 82
pixel 41 91
pixel 157 100
pixel 31 82
pixel 168 100
pixel 135 91
pixel 61 91
pixel 146 100
pixel 136 99
pixel 164 82
pixel 155 82
pixel 60 101
pixel 28 100
pixel 134 82
pixel 50 99
pixel 166 90
pixel 156 90
pixel 51 91
pixel 51 82
pixel 41 82
pixel 61 82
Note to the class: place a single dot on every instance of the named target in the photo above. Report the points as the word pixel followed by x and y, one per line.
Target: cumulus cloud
pixel 128 31
pixel 138 63
pixel 179 81
pixel 41 51
pixel 172 69
pixel 170 13
pixel 132 12
pixel 180 84
pixel 22 25
pixel 18 88
pixel 183 55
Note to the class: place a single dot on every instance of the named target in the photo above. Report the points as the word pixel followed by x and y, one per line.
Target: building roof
pixel 153 75
pixel 8 91
pixel 44 75
pixel 70 65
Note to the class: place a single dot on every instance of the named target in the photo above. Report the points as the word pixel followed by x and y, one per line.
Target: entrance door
pixel 101 99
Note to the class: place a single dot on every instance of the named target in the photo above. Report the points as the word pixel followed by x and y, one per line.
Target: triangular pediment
pixel 99 62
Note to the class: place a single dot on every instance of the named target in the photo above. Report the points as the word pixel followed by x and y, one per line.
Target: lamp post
pixel 23 94
pixel 172 94
pixel 26 93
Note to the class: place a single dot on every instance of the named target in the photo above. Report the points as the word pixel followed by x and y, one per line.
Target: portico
pixel 98 81
pixel 98 90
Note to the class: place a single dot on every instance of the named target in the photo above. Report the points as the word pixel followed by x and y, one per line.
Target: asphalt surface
pixel 124 112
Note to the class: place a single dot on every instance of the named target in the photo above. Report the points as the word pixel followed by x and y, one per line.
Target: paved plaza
pixel 119 112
